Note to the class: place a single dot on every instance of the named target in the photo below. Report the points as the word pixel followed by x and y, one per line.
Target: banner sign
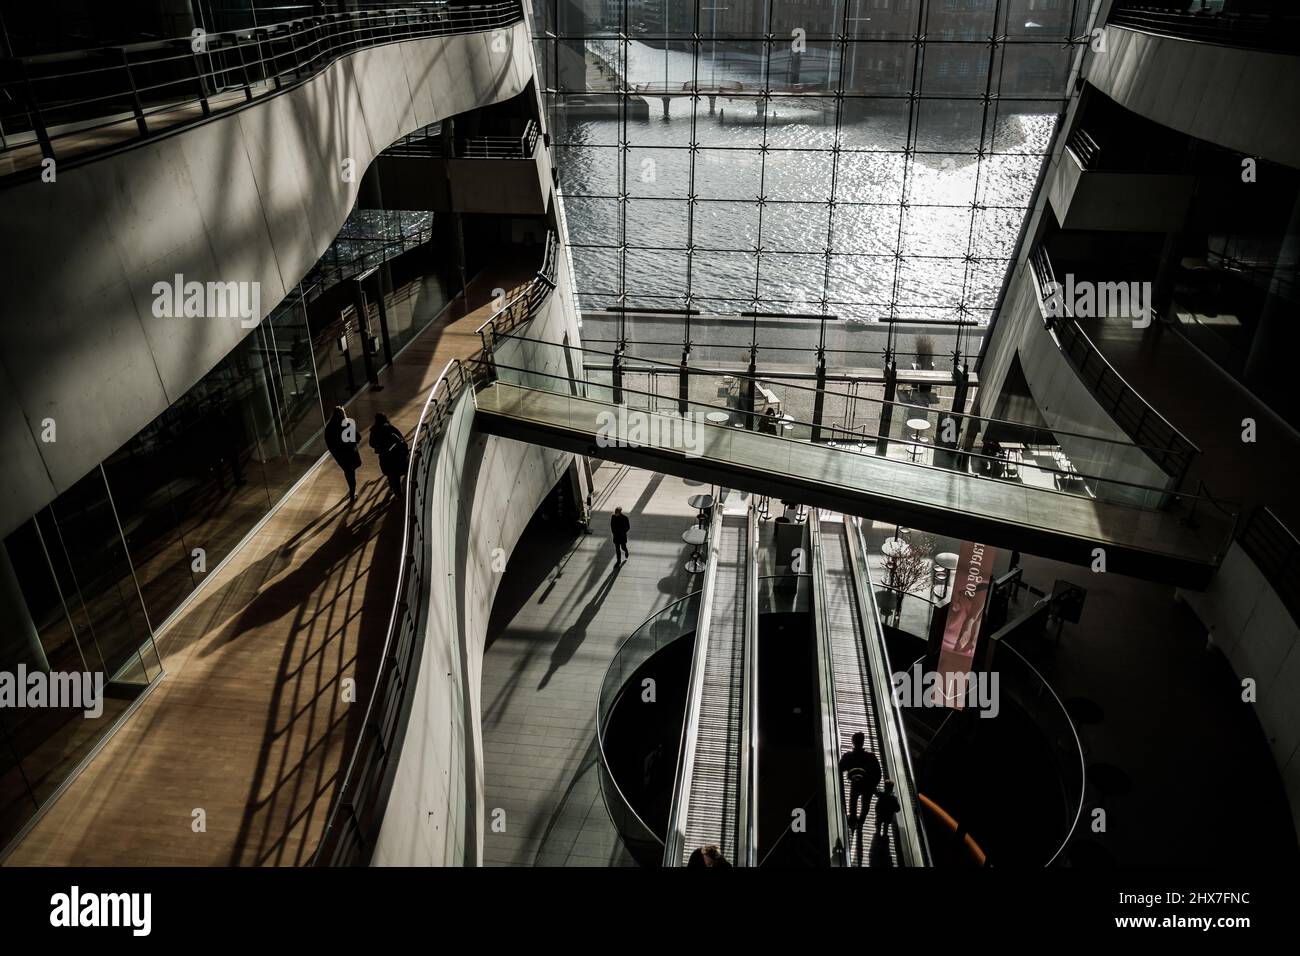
pixel 970 588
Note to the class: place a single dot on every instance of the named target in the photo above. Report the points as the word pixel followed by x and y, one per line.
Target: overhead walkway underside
pixel 1158 545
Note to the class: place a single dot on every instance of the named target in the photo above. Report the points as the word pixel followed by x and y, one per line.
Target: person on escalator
pixel 886 806
pixel 710 855
pixel 861 770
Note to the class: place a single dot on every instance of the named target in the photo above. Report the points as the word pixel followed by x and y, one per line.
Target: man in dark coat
pixel 394 456
pixel 341 441
pixel 619 526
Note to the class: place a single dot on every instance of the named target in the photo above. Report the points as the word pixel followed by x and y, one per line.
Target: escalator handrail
pixel 675 837
pixel 913 844
pixel 747 852
pixel 837 826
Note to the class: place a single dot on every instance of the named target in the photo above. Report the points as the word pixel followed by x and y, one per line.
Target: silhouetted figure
pixel 886 806
pixel 710 855
pixel 768 423
pixel 391 449
pixel 878 855
pixel 341 441
pixel 861 771
pixel 619 526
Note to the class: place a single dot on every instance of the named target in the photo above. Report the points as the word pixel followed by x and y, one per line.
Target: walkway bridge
pixel 1163 535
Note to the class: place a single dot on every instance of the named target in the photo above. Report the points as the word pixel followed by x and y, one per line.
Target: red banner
pixel 970 590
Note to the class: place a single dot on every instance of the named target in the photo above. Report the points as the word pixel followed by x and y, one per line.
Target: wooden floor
pixel 938 491
pixel 249 725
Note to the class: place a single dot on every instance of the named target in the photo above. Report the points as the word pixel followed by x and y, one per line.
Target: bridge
pixel 1179 539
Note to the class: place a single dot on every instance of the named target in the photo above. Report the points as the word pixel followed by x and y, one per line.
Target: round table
pixel 700 503
pixel 695 536
pixel 718 418
pixel 787 422
pixel 917 426
pixel 895 547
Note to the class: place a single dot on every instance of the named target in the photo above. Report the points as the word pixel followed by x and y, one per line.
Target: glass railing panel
pixel 673 622
pixel 1034 468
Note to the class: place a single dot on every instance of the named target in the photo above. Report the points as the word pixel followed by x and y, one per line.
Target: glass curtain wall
pixel 871 160
pixel 86 581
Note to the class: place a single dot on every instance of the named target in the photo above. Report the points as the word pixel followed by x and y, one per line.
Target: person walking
pixel 341 441
pixel 861 771
pixel 392 451
pixel 619 526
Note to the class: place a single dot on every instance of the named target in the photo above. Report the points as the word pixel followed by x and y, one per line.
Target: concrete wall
pixel 511 187
pixel 1126 202
pixel 485 491
pixel 1249 623
pixel 255 195
pixel 501 186
pixel 1243 99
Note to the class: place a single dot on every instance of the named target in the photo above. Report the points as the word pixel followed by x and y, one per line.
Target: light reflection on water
pixel 927 234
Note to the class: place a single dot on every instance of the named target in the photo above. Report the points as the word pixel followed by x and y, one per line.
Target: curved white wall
pixel 1248 622
pixel 1066 403
pixel 255 195
pixel 484 492
pixel 1243 99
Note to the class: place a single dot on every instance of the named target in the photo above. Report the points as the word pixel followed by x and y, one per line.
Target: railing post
pixel 275 67
pixel 243 69
pixel 34 111
pixel 136 104
pixel 199 77
pixel 294 33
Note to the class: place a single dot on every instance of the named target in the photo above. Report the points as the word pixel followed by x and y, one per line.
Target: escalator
pixel 714 793
pixel 856 697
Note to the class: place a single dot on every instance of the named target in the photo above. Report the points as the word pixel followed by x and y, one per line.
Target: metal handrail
pixel 914 844
pixel 502 147
pixel 837 826
pixel 628 362
pixel 54 96
pixel 675 838
pixel 1084 147
pixel 601 717
pixel 1078 749
pixel 1165 495
pixel 1276 32
pixel 373 759
pixel 748 855
pixel 1129 409
pixel 1275 549
pixel 523 303
pixel 433 416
